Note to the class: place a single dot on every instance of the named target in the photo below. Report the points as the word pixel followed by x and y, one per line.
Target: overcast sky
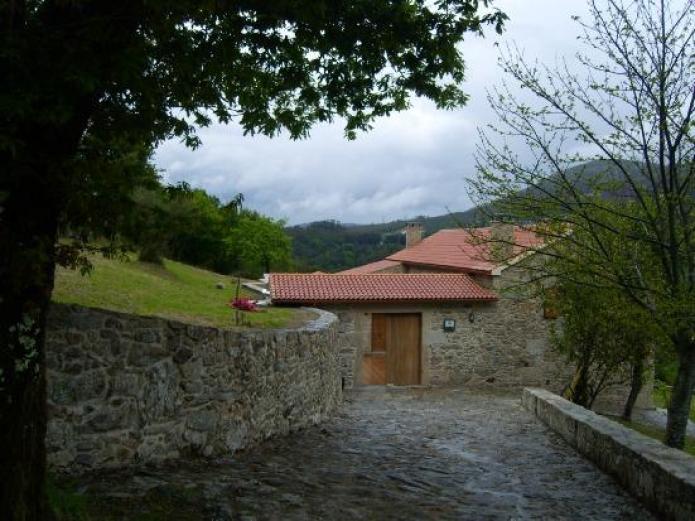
pixel 412 163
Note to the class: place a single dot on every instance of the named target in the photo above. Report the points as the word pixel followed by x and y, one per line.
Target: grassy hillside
pixel 176 291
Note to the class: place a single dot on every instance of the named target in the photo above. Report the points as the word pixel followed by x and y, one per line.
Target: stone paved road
pixel 401 454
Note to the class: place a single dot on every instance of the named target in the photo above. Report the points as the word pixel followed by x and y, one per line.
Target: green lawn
pixel 69 503
pixel 662 395
pixel 658 434
pixel 176 291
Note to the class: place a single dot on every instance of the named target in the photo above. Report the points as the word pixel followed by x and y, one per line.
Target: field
pixel 661 397
pixel 175 291
pixel 658 434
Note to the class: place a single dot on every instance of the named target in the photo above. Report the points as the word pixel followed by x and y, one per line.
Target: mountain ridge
pixel 329 245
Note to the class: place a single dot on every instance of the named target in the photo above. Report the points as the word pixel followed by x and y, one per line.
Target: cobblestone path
pixel 396 454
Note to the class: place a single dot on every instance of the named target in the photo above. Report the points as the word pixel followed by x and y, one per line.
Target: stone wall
pixel 126 390
pixel 497 345
pixel 502 344
pixel 661 477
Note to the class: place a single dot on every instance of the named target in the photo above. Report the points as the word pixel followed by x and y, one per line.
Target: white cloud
pixel 413 163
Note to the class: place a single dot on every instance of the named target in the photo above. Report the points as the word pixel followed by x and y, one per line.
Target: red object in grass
pixel 243 304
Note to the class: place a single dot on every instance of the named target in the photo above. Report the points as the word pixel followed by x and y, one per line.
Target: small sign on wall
pixel 449 325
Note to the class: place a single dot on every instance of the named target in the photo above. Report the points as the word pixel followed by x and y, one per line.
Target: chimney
pixel 413 234
pixel 502 237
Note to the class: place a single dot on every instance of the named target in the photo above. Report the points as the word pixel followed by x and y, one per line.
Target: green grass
pixel 66 502
pixel 175 291
pixel 160 504
pixel 662 396
pixel 657 433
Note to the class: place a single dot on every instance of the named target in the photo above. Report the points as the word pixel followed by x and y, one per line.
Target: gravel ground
pixel 389 454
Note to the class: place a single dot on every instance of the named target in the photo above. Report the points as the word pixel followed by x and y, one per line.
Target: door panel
pixel 380 324
pixel 397 335
pixel 403 350
pixel 374 368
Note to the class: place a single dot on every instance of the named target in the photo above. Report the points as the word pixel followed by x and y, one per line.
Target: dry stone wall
pixel 126 390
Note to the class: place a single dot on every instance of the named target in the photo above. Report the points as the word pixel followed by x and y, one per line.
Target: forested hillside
pixel 332 246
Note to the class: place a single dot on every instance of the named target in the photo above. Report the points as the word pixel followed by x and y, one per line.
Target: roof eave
pixel 310 302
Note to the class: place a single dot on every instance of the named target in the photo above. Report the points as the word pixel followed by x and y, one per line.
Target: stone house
pixel 440 312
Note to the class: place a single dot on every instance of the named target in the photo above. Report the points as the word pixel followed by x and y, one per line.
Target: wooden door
pixel 403 349
pixel 395 351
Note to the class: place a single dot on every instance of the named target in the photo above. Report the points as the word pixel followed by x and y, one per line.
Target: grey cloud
pixel 413 163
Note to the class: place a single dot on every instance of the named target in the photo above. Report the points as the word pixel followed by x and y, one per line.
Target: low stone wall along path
pixel 390 454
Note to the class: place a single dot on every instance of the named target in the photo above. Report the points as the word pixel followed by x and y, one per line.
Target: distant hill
pixel 332 246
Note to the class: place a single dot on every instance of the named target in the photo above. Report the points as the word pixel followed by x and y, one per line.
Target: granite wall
pixel 502 344
pixel 498 345
pixel 661 477
pixel 127 390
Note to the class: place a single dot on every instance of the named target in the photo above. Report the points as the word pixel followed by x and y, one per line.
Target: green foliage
pixel 66 503
pixel 259 244
pixel 666 365
pixel 602 334
pixel 173 290
pixel 634 112
pixel 84 82
pixel 198 225
pixel 192 226
pixel 662 398
pixel 271 65
pixel 330 246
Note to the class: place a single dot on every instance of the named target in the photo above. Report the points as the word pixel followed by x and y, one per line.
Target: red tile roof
pixel 310 288
pixel 372 267
pixel 460 249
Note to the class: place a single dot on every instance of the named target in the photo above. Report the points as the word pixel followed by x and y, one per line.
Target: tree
pixel 80 75
pixel 198 228
pixel 607 337
pixel 185 224
pixel 632 110
pixel 147 227
pixel 259 244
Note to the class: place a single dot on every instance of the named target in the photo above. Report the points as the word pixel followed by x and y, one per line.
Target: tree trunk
pixel 578 390
pixel 62 59
pixel 636 384
pixel 27 261
pixel 682 393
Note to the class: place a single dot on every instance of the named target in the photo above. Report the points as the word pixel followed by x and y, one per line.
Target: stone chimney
pixel 413 234
pixel 502 237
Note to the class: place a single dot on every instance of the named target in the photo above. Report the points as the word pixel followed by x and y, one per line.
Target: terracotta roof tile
pixel 462 250
pixel 310 288
pixel 372 267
